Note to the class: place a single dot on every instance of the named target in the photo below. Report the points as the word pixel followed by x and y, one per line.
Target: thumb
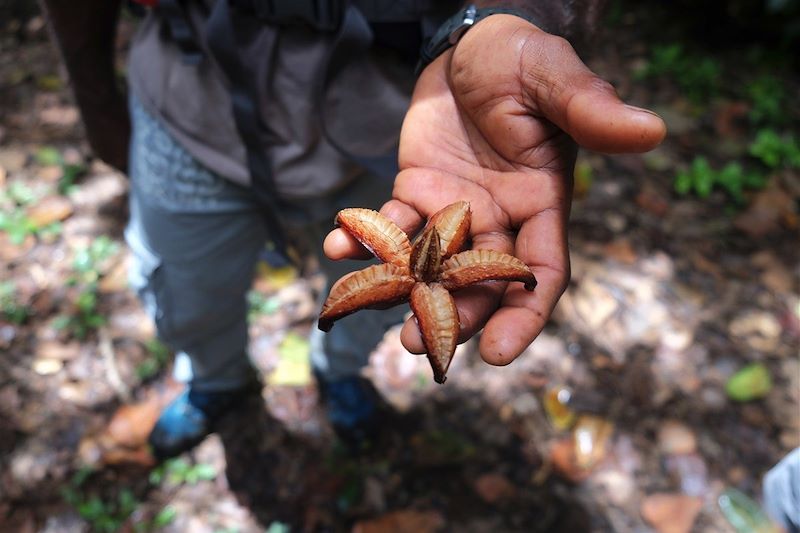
pixel 563 89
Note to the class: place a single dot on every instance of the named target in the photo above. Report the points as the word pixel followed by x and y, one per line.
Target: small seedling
pixel 157 358
pixel 776 151
pixel 767 96
pixel 103 515
pixel 181 472
pixel 697 76
pixel 701 180
pixel 13 217
pixel 88 267
pixel 10 309
pixel 260 305
pixel 70 172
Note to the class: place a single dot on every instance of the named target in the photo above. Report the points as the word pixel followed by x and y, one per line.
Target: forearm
pixel 85 34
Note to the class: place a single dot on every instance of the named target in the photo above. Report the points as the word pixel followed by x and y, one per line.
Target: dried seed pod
pixel 437 318
pixel 377 233
pixel 452 223
pixel 474 266
pixel 426 258
pixel 377 286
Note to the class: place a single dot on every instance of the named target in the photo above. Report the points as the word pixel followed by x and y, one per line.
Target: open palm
pixel 494 121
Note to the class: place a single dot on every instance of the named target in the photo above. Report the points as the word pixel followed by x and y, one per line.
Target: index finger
pixel 542 245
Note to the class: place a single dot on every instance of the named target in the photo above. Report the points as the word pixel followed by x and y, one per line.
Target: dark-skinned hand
pixel 495 121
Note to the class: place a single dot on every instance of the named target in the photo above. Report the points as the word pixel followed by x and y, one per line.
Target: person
pixel 781 492
pixel 237 105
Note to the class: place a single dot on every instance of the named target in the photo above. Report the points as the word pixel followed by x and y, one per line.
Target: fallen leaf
pixel 750 383
pixel 770 209
pixel 744 514
pixel 124 439
pixel 269 279
pixel 51 349
pixel 60 116
pixel 671 513
pixel 404 521
pixel 294 366
pixel 131 424
pixel 621 250
pixel 652 200
pixel 48 210
pixel 494 488
pixel 46 367
pixel 555 405
pixel 676 438
pixel 562 456
pixel 591 435
pixel 730 118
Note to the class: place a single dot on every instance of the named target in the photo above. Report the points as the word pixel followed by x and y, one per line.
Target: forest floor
pixel 678 285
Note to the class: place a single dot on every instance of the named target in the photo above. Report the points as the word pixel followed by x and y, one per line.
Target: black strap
pixel 221 40
pixel 180 28
pixel 453 28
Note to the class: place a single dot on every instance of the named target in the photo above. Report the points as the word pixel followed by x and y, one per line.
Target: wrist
pixel 456 26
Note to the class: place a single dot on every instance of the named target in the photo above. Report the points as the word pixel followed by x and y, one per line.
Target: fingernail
pixel 643 110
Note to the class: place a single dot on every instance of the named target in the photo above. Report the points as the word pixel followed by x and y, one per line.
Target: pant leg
pixel 782 492
pixel 195 239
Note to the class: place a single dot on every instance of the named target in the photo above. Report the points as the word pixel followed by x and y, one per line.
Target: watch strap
pixel 454 27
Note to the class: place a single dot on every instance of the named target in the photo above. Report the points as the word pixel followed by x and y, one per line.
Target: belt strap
pixel 174 11
pixel 221 40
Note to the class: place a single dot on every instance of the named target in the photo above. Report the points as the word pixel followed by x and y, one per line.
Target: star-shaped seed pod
pixel 424 273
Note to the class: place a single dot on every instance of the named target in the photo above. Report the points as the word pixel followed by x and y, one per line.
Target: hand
pixel 494 121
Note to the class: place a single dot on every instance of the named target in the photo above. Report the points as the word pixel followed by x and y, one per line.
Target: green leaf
pixel 750 383
pixel 204 472
pixel 744 514
pixel 278 527
pixel 294 367
pixel 165 516
pixel 70 174
pixel 48 156
pixel 127 502
pixel 21 193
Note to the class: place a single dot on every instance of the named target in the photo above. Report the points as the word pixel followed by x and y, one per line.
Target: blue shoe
pixel 352 407
pixel 190 417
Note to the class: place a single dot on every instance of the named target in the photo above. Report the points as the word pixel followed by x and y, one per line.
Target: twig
pixel 112 371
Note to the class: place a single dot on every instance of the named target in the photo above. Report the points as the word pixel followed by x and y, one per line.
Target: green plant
pixel 698 76
pixel 701 180
pixel 775 150
pixel 157 358
pixel 259 304
pixel 111 514
pixel 70 172
pixel 767 96
pixel 17 225
pixel 88 267
pixel 21 193
pixel 180 472
pixel 13 217
pixel 103 515
pixel 10 309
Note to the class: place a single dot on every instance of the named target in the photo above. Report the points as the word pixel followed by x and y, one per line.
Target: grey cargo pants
pixel 195 239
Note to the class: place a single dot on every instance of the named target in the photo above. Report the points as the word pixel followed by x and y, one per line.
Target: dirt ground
pixel 671 296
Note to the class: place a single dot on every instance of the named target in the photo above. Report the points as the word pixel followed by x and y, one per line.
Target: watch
pixel 456 26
